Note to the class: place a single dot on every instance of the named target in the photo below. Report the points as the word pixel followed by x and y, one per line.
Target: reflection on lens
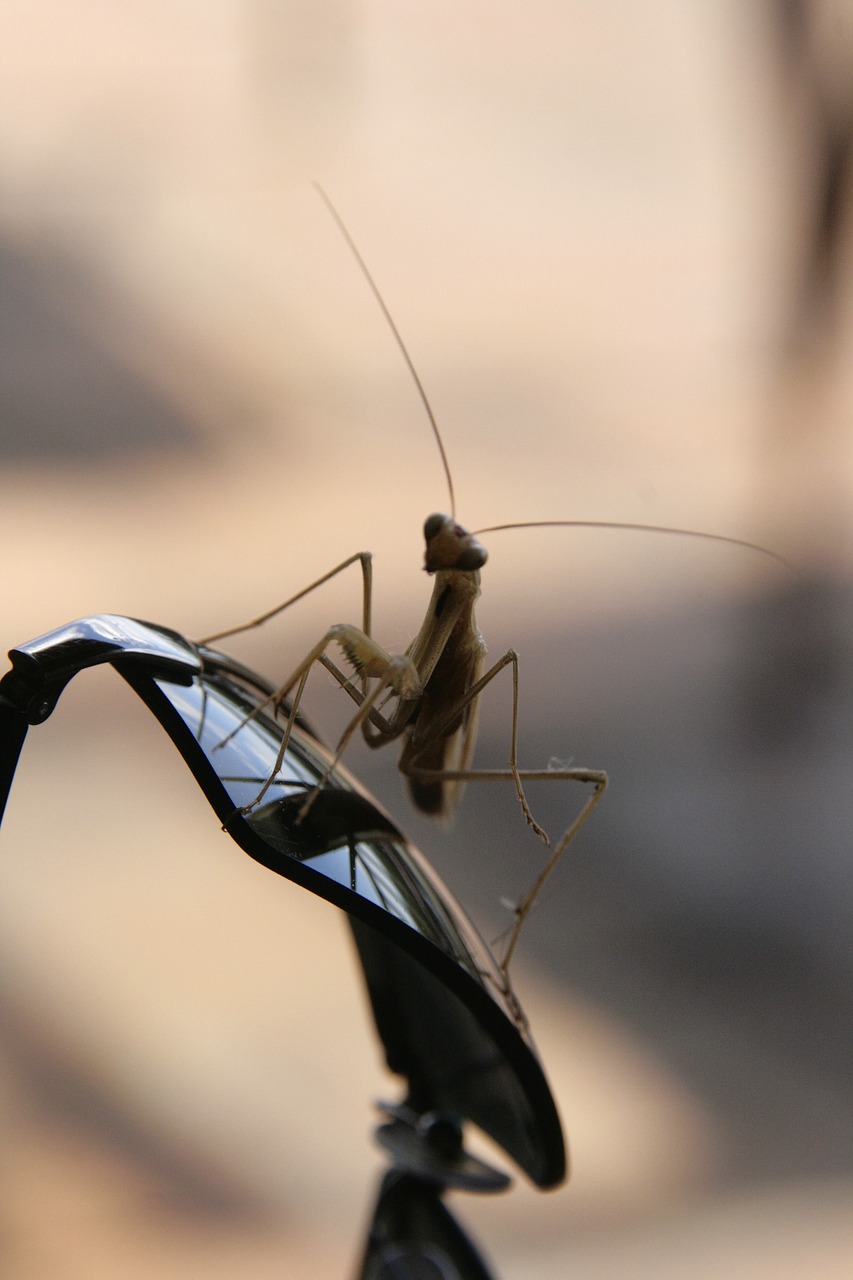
pixel 343 837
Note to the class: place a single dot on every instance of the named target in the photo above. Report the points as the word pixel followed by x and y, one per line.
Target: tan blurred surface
pixel 584 218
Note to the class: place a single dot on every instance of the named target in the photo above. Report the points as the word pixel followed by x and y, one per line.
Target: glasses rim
pixel 154 660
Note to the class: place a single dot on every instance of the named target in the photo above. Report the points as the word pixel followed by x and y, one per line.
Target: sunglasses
pixel 448 1024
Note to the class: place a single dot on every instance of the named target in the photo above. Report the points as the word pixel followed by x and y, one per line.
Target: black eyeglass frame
pixel 446 1020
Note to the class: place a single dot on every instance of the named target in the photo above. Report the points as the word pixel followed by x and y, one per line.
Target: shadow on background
pixel 65 397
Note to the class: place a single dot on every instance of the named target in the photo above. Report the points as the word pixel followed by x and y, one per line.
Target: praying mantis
pixel 428 696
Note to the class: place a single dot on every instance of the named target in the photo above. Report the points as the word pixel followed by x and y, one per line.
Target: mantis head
pixel 450 547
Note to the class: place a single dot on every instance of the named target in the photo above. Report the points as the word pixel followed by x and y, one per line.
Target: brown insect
pixel 433 688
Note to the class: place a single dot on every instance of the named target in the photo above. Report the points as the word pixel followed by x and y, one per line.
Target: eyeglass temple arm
pixel 28 693
pixel 13 731
pixel 42 668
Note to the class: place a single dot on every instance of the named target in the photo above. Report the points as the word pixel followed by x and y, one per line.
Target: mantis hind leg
pixel 596 778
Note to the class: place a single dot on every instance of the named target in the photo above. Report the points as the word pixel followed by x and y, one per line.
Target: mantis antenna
pixel 396 332
pixel 530 524
pixel 637 528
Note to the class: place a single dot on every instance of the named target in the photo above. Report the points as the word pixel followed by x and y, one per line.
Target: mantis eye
pixel 473 557
pixel 433 525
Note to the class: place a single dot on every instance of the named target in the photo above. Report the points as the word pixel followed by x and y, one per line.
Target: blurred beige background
pixel 616 241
